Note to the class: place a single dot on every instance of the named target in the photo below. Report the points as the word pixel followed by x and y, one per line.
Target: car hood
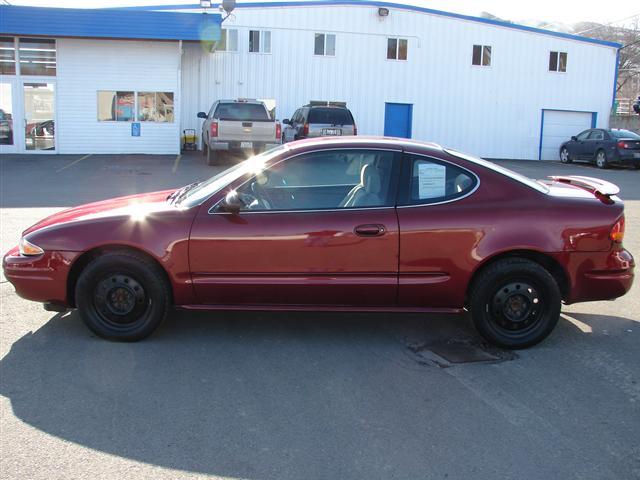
pixel 132 205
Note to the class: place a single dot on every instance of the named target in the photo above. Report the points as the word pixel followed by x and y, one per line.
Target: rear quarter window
pixel 432 181
pixel 332 116
pixel 241 112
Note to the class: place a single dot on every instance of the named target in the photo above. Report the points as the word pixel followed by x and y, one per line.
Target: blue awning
pixel 108 23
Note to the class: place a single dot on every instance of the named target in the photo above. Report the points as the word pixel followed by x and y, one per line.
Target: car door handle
pixel 370 230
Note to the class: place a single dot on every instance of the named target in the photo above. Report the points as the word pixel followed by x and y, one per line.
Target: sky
pixel 557 11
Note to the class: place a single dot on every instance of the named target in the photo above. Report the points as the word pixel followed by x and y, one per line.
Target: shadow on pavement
pixel 264 396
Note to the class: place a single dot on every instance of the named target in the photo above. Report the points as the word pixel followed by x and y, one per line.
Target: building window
pixel 7 56
pixel 37 56
pixel 228 41
pixel 557 61
pixel 115 106
pixel 259 41
pixel 155 107
pixel 324 44
pixel 397 48
pixel 481 55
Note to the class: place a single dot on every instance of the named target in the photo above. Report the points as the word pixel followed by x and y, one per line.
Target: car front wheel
pixel 564 155
pixel 122 296
pixel 515 303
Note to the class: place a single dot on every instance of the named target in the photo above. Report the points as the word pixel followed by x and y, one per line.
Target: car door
pixel 437 241
pixel 318 228
pixel 578 148
pixel 594 142
pixel 290 130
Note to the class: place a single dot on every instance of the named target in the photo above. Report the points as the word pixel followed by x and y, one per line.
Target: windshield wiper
pixel 179 194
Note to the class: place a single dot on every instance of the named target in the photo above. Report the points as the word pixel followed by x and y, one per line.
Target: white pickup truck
pixel 241 126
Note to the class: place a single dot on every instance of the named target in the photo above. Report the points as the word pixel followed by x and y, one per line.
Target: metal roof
pixel 376 3
pixel 108 23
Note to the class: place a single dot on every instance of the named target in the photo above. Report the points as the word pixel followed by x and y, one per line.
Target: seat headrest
pixel 371 179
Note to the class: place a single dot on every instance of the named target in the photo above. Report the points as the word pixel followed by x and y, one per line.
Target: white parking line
pixel 176 163
pixel 72 163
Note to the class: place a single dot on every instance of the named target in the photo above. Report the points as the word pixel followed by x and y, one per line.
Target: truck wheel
pixel 212 157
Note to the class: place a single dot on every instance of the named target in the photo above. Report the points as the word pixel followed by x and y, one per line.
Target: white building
pixel 494 89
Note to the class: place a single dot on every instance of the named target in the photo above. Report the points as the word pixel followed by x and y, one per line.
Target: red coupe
pixel 355 223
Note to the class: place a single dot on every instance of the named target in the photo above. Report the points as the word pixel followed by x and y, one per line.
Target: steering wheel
pixel 261 195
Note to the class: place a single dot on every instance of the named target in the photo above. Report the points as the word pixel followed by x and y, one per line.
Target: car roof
pixel 242 100
pixel 364 141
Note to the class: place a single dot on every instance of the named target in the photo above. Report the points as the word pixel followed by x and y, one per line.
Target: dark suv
pixel 319 119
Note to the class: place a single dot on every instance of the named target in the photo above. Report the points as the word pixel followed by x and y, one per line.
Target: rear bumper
pixel 42 278
pixel 628 157
pixel 599 275
pixel 236 146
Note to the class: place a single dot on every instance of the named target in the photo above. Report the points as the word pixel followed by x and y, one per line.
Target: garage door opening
pixel 558 126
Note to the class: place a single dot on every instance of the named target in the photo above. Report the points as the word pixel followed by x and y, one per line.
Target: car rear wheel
pixel 601 159
pixel 515 303
pixel 122 296
pixel 564 156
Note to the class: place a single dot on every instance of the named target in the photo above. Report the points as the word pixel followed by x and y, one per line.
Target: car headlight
pixel 29 249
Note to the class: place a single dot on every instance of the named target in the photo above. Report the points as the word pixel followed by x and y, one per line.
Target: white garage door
pixel 558 127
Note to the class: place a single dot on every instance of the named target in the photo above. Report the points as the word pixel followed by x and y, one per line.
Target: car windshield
pixel 332 116
pixel 624 134
pixel 241 112
pixel 504 171
pixel 196 195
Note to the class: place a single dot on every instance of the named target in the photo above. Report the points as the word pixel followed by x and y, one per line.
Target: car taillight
pixel 622 144
pixel 617 232
pixel 278 131
pixel 214 129
pixel 305 129
pixel 355 129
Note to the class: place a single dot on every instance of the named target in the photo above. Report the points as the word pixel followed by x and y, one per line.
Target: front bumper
pixel 42 278
pixel 599 275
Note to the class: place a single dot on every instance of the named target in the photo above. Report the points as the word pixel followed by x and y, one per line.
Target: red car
pixel 353 223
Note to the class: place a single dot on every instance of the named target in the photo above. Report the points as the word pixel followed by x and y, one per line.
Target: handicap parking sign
pixel 135 129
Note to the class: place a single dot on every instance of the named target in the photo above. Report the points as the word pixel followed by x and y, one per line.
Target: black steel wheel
pixel 515 303
pixel 122 295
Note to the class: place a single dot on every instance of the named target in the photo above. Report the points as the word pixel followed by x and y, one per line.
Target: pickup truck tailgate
pixel 247 130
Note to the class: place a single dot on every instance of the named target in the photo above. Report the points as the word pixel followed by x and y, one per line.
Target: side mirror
pixel 574 138
pixel 286 121
pixel 202 115
pixel 232 202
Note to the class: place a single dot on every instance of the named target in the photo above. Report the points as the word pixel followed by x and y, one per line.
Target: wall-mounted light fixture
pixel 383 12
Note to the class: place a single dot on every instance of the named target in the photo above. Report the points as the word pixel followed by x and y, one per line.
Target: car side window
pixel 434 181
pixel 326 180
pixel 596 135
pixel 584 135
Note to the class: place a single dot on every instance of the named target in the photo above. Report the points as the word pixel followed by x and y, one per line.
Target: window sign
pixel 432 179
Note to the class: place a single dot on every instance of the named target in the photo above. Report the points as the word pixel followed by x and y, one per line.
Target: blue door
pixel 397 119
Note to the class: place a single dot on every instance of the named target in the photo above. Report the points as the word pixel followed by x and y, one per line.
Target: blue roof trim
pixel 107 23
pixel 375 3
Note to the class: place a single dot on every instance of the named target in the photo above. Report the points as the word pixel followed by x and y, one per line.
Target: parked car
pixel 241 126
pixel 355 224
pixel 604 147
pixel 319 120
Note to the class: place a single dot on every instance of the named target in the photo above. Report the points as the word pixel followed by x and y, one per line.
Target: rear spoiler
pixel 594 185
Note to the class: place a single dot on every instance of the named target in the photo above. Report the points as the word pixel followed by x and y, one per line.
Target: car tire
pixel 564 156
pixel 515 303
pixel 601 159
pixel 122 296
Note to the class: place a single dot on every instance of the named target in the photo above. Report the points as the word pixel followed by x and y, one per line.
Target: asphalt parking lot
pixel 266 396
